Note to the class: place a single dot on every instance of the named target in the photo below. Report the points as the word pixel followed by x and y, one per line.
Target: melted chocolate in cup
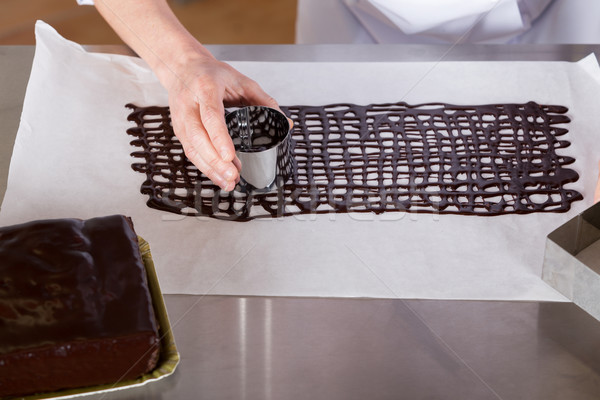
pixel 261 137
pixel 482 160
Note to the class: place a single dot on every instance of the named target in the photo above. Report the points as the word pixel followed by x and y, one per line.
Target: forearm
pixel 151 29
pixel 199 86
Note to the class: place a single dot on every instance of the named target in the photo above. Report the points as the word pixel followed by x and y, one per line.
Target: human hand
pixel 199 90
pixel 199 85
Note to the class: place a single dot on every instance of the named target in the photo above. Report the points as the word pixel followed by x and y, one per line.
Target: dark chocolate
pixel 75 309
pixel 436 158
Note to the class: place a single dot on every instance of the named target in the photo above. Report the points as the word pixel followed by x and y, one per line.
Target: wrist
pixel 173 64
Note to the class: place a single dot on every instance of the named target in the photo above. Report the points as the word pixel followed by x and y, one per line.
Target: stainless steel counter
pixel 314 348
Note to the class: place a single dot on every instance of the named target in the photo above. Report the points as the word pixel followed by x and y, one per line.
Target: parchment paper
pixel 72 159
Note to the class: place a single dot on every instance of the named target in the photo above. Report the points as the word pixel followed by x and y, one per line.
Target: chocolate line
pixel 436 158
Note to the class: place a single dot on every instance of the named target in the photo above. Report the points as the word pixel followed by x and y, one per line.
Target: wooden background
pixel 211 21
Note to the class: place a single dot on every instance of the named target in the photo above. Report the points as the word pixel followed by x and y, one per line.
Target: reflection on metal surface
pixel 261 136
pixel 255 340
pixel 243 335
pixel 268 345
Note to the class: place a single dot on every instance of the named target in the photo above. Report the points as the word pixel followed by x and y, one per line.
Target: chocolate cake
pixel 75 309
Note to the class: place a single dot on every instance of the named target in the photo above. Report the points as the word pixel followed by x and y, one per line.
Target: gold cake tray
pixel 168 359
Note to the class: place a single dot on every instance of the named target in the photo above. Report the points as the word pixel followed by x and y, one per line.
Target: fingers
pixel 212 112
pixel 199 146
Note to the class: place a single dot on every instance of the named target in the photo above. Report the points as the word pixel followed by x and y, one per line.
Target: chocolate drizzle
pixel 473 160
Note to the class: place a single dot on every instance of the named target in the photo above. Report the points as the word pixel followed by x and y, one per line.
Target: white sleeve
pixel 85 2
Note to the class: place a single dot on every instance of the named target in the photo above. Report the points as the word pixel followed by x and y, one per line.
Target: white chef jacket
pixel 448 21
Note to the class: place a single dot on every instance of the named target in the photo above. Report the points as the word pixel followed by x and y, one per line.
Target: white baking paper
pixel 72 159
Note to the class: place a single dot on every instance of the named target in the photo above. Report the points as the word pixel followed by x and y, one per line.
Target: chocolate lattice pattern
pixel 474 160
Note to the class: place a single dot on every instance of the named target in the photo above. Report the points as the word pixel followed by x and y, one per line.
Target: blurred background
pixel 210 21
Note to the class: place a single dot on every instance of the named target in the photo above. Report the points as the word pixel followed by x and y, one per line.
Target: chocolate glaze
pixel 472 160
pixel 74 305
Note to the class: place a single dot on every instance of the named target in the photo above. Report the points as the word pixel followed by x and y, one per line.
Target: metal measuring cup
pixel 261 137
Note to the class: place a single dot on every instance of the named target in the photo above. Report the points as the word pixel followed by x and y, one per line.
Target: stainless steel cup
pixel 261 136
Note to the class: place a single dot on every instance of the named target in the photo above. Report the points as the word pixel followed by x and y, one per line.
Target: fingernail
pixel 229 175
pixel 229 186
pixel 223 183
